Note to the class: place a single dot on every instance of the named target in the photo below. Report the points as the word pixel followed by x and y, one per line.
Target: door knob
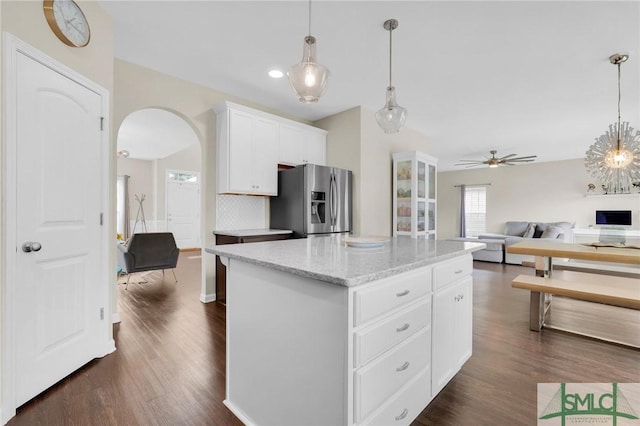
pixel 30 246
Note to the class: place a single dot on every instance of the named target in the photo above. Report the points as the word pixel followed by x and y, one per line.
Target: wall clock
pixel 67 22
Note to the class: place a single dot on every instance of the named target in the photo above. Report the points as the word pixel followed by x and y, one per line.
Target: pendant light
pixel 308 78
pixel 614 159
pixel 618 158
pixel 391 117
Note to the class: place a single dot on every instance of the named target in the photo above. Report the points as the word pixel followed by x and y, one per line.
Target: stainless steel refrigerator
pixel 313 199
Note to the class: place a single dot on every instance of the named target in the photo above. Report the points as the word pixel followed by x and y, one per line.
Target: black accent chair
pixel 148 252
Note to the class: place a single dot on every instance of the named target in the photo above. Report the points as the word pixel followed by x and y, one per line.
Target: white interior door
pixel 57 298
pixel 183 208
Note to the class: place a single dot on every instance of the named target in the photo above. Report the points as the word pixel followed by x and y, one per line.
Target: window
pixel 475 208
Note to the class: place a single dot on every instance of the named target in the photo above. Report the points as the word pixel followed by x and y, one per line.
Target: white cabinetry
pixel 363 355
pixel 247 152
pixel 392 345
pixel 452 319
pixel 251 144
pixel 414 194
pixel 300 144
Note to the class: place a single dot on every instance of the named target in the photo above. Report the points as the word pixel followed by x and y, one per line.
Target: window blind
pixel 475 206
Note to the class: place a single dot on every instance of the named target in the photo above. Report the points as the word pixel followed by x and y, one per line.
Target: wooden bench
pixel 607 289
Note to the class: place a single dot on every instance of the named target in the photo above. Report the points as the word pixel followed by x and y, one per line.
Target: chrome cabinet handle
pixel 403 367
pixel 459 271
pixel 403 328
pixel 403 414
pixel 402 293
pixel 30 246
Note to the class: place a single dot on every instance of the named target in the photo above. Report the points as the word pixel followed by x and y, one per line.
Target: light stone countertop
pixel 252 232
pixel 327 258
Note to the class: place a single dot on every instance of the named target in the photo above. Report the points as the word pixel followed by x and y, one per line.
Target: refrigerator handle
pixel 334 200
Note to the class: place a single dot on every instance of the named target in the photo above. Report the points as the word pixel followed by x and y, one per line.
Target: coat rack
pixel 140 215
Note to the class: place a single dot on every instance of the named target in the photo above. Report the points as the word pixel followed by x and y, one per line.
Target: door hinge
pixel 101 217
pixel 101 123
pixel 101 313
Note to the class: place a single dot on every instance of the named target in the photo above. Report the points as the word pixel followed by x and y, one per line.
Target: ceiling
pixel 520 77
pixel 152 133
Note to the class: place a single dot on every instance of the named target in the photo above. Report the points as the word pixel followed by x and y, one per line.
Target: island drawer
pixel 380 379
pixel 390 293
pixel 405 406
pixel 377 338
pixel 451 271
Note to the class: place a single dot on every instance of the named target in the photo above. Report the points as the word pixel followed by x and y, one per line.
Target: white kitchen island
pixel 319 333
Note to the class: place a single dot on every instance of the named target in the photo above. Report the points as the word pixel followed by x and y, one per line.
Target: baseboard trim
pixel 208 298
pixel 238 413
pixel 115 318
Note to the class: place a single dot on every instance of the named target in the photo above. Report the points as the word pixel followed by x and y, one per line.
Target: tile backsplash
pixel 240 212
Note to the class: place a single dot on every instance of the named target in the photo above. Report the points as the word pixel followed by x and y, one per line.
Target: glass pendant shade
pixel 391 116
pixel 308 78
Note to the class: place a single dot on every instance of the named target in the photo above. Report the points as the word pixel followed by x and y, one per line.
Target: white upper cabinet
pixel 300 144
pixel 247 152
pixel 291 146
pixel 251 144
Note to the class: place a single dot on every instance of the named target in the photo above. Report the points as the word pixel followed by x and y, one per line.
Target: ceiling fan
pixel 509 160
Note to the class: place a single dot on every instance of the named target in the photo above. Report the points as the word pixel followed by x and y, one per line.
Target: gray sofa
pixel 516 231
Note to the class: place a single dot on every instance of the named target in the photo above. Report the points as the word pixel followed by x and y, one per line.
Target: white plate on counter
pixel 365 242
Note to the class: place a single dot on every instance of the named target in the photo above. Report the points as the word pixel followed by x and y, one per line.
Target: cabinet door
pixel 240 152
pixel 316 148
pixel 265 157
pixel 443 331
pixel 464 322
pixel 452 330
pixel 291 147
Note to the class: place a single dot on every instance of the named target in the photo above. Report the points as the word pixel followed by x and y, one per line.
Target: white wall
pixel 544 192
pixel 356 142
pixel 140 182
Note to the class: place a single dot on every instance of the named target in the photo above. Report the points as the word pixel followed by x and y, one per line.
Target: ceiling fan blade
pixel 523 158
pixel 473 161
pixel 520 161
pixel 507 156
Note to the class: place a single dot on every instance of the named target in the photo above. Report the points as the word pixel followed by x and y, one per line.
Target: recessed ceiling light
pixel 276 74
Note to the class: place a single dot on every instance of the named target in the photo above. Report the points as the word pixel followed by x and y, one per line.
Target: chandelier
pixel 614 159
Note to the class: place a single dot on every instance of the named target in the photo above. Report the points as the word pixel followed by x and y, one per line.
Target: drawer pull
pixel 403 328
pixel 459 271
pixel 403 367
pixel 403 293
pixel 403 414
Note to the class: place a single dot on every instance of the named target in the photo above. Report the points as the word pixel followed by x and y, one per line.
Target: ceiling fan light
pixel 391 116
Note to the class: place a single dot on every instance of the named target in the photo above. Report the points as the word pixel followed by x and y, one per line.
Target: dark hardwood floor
pixel 170 362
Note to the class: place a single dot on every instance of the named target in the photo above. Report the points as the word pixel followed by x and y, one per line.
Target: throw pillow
pixel 531 229
pixel 540 227
pixel 552 232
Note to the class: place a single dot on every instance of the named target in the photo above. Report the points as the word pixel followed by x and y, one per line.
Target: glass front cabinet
pixel 414 194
